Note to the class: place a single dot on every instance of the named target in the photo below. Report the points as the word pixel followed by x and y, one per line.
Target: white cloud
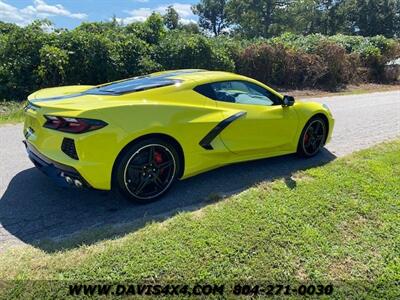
pixel 184 10
pixel 141 14
pixel 10 13
pixel 39 9
pixel 136 15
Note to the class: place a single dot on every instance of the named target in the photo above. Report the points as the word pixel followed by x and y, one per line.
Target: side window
pixel 206 91
pixel 242 92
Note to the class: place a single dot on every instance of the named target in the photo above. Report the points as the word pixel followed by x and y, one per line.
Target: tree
pixel 100 27
pixel 171 18
pixel 6 28
pixel 257 18
pixel 212 15
pixel 362 17
pixel 318 16
pixel 154 27
pixel 374 17
pixel 53 62
pixel 190 27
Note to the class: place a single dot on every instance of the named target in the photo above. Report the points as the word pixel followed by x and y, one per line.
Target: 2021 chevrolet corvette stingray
pixel 140 134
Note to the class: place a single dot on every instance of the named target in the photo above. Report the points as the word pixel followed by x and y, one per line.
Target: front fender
pixel 306 110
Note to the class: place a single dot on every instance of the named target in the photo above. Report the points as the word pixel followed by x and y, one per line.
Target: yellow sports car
pixel 140 134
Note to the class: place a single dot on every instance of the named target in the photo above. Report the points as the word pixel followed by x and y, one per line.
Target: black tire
pixel 313 137
pixel 146 170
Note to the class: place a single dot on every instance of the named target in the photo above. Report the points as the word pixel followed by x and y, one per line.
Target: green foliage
pixel 369 52
pixel 325 61
pixel 212 15
pixel 171 18
pixel 100 27
pixel 92 57
pixel 19 59
pixel 245 14
pixel 7 27
pixel 53 62
pixel 339 69
pixel 154 27
pixel 180 51
pixel 133 56
pixel 189 28
pixel 375 17
pixel 266 18
pixel 94 53
pixel 348 234
pixel 280 66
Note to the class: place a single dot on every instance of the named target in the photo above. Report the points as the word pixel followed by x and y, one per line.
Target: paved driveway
pixel 33 209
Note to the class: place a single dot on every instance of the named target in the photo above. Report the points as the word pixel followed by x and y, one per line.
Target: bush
pixel 92 57
pixel 53 62
pixel 339 68
pixel 133 56
pixel 377 54
pixel 192 51
pixel 99 52
pixel 19 61
pixel 280 66
pixel 374 52
pixel 327 65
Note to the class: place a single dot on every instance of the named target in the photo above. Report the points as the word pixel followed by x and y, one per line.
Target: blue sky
pixel 70 13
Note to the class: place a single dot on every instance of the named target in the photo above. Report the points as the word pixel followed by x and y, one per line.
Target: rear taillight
pixel 73 125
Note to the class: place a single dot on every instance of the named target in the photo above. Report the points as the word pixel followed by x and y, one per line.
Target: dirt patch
pixel 341 269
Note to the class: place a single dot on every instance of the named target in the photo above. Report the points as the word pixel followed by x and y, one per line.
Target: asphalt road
pixel 33 210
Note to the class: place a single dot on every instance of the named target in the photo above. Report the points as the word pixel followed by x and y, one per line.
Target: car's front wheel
pixel 313 137
pixel 147 170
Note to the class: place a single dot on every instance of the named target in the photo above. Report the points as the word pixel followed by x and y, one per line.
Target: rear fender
pixel 188 125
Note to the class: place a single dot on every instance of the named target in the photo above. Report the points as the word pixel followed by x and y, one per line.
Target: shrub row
pixel 329 66
pixel 94 53
pixel 371 53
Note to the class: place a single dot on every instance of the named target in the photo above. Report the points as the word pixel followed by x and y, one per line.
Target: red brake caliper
pixel 306 137
pixel 158 159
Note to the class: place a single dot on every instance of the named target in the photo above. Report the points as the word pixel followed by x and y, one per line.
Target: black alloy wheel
pixel 147 170
pixel 312 138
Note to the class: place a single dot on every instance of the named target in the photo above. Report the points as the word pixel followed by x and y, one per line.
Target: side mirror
pixel 287 101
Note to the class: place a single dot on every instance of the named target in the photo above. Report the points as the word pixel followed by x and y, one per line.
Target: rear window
pixel 131 85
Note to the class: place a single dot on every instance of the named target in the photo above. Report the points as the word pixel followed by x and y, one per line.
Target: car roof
pixel 198 75
pixel 161 79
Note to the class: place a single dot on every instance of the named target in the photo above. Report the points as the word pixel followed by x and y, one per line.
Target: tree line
pixel 267 18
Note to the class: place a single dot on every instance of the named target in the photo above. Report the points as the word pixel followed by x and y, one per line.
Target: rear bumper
pixel 58 172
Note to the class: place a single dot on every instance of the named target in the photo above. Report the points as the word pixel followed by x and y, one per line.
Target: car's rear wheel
pixel 147 170
pixel 313 137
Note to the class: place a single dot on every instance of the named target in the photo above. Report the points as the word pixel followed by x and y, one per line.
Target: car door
pixel 264 126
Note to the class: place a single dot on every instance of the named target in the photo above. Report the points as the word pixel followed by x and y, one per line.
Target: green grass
pixel 11 112
pixel 340 224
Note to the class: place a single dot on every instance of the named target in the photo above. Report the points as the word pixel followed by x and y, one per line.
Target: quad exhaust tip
pixel 77 183
pixel 68 180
